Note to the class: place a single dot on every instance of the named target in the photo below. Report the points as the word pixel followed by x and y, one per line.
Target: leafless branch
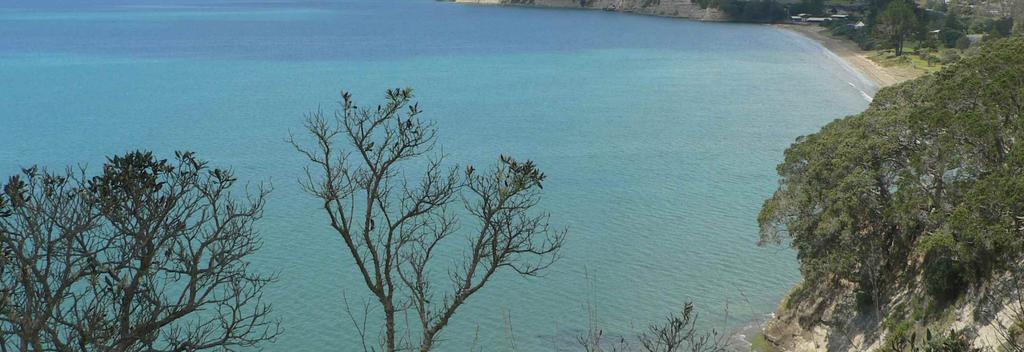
pixel 393 225
pixel 151 255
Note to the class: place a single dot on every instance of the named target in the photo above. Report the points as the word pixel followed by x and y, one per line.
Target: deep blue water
pixel 659 136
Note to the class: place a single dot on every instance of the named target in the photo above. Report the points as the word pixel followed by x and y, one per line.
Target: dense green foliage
pixel 930 176
pixel 752 10
pixel 898 22
pixel 889 24
pixel 814 7
pixel 147 255
pixel 950 38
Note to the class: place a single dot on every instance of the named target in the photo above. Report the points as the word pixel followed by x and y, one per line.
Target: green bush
pixel 949 37
pixel 898 335
pixel 943 273
pixel 952 342
pixel 949 57
pixel 902 339
pixel 963 43
pixel 944 278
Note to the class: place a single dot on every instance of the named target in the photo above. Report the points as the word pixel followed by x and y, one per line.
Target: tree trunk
pixel 427 344
pixel 389 326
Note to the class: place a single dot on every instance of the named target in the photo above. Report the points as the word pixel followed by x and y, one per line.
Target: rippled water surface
pixel 659 136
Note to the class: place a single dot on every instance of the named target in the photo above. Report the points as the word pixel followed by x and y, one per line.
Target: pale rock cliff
pixel 665 8
pixel 827 317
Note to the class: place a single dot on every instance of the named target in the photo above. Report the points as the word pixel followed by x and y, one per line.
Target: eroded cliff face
pixel 896 239
pixel 665 8
pixel 829 316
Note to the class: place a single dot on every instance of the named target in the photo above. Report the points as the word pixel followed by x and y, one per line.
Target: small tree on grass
pixel 393 226
pixel 897 23
pixel 150 255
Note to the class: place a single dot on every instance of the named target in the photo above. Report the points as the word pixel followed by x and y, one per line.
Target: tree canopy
pixel 898 22
pixel 149 255
pixel 930 173
pixel 394 225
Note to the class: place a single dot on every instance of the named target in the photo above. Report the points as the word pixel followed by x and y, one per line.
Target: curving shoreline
pixel 845 50
pixel 855 57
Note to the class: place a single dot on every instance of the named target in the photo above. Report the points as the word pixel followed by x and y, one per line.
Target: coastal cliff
pixel 830 317
pixel 908 218
pixel 664 8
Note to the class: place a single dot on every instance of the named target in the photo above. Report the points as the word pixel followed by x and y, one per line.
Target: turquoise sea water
pixel 659 137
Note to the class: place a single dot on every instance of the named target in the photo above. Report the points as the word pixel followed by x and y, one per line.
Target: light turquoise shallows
pixel 659 136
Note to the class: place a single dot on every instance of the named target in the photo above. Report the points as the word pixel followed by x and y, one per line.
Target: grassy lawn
pixel 913 58
pixel 916 62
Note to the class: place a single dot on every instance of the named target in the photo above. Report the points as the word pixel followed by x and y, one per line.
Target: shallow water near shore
pixel 659 137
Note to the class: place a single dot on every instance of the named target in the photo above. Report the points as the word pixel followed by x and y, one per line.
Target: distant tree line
pixel 766 11
pixel 889 24
pixel 753 10
pixel 812 7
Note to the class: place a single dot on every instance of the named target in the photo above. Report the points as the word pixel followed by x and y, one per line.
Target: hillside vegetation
pixel 904 212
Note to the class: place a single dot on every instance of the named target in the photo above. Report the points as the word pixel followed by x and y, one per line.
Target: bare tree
pixel 150 255
pixel 394 226
pixel 678 333
pixel 594 341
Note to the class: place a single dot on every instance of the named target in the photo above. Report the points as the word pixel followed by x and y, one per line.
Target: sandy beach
pixel 854 56
pixel 845 49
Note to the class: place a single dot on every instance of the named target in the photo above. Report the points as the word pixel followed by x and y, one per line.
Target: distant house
pixel 818 19
pixel 796 18
pixel 840 17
